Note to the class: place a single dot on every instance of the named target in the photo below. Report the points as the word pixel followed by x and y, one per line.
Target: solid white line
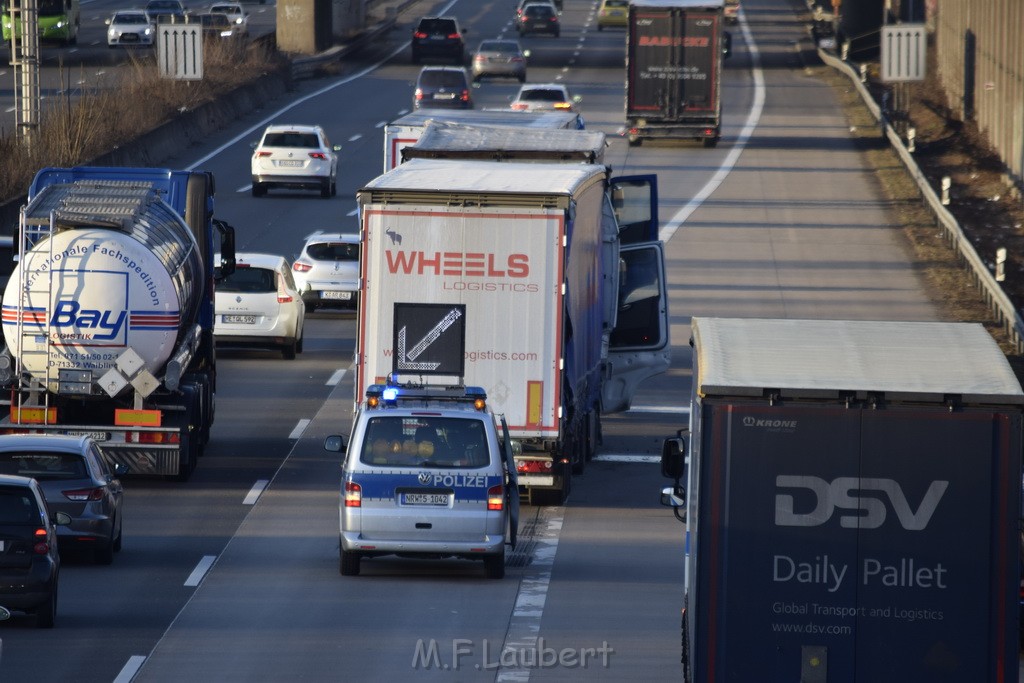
pixel 353 212
pixel 244 188
pixel 669 229
pixel 355 137
pixel 200 571
pixel 299 428
pixel 524 625
pixel 255 491
pixel 666 410
pixel 336 377
pixel 626 457
pixel 380 124
pixel 130 668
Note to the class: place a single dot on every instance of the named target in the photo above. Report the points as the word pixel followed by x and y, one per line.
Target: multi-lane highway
pixel 233 576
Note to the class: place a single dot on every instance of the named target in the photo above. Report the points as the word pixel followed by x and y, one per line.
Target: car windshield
pixel 164 5
pixel 442 79
pixel 131 19
pixel 445 26
pixel 538 11
pixel 616 3
pixel 496 46
pixel 247 279
pixel 226 9
pixel 291 139
pixel 333 251
pixel 542 95
pixel 425 441
pixel 17 507
pixel 42 466
pixel 215 20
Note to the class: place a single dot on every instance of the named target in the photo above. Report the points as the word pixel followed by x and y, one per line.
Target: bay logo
pixel 106 324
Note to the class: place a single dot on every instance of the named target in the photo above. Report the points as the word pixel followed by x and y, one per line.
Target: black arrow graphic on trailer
pixel 405 358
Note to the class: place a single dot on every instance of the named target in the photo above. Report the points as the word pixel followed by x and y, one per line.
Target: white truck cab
pixel 428 472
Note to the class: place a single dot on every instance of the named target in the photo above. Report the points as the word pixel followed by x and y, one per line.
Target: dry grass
pixel 136 101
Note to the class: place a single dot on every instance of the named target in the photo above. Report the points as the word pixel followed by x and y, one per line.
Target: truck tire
pixel 494 565
pixel 348 562
pixel 578 451
pixel 205 412
pixel 185 420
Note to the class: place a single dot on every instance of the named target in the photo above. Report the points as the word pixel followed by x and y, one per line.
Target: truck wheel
pixel 494 565
pixel 185 420
pixel 578 456
pixel 205 410
pixel 348 563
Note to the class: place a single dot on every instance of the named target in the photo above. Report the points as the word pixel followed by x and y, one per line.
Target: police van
pixel 428 472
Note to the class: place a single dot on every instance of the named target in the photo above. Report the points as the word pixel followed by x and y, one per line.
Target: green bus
pixel 59 21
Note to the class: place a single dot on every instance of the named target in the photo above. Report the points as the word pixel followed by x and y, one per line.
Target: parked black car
pixel 438 37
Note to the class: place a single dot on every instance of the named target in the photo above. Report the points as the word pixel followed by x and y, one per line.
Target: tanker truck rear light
pixel 533 466
pixel 496 497
pixel 353 495
pixel 152 437
pixel 709 132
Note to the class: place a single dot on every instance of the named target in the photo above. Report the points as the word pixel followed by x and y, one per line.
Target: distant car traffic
pixel 539 18
pixel 438 37
pixel 612 14
pixel 169 11
pixel 523 3
pixel 235 12
pixel 498 57
pixel 545 96
pixel 327 271
pixel 295 156
pixel 29 558
pixel 130 28
pixel 442 87
pixel 77 480
pixel 259 306
pixel 219 26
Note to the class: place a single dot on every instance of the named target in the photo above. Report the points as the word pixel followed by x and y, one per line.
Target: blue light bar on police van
pixel 378 395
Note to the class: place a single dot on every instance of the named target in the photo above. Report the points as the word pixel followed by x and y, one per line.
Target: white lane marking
pixel 246 134
pixel 336 377
pixel 524 625
pixel 199 572
pixel 299 428
pixel 355 137
pixel 380 124
pixel 669 229
pixel 626 457
pixel 130 668
pixel 255 491
pixel 244 188
pixel 353 212
pixel 664 410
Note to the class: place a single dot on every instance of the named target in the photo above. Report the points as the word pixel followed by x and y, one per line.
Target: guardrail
pixel 999 303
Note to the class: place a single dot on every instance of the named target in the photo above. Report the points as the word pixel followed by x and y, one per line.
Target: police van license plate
pixel 424 499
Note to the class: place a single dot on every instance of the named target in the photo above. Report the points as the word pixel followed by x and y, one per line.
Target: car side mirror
pixel 726 44
pixel 121 469
pixel 107 22
pixel 673 458
pixel 336 148
pixel 335 444
pixel 62 519
pixel 671 498
pixel 577 98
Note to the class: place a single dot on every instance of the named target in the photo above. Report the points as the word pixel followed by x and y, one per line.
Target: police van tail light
pixel 353 495
pixel 496 497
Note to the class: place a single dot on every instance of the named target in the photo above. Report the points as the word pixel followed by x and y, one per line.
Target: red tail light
pixel 419 35
pixel 318 155
pixel 519 106
pixel 84 495
pixel 353 495
pixel 465 96
pixel 453 36
pixel 534 466
pixel 152 437
pixel 418 94
pixel 284 299
pixel 300 267
pixel 41 547
pixel 260 155
pixel 479 58
pixel 496 497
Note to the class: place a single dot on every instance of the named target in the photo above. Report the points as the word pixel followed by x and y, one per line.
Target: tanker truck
pixel 108 316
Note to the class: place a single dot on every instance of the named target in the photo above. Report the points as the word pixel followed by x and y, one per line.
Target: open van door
pixel 639 343
pixel 635 201
pixel 511 484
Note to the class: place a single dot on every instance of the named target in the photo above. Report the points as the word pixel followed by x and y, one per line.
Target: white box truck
pixel 517 269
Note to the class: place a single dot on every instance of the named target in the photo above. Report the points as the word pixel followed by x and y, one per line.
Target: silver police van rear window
pixel 425 441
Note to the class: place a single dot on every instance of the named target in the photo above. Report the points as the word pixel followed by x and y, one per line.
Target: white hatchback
pixel 295 157
pixel 259 305
pixel 236 13
pixel 327 270
pixel 130 28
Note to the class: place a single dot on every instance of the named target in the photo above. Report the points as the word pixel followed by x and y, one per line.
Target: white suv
pixel 295 157
pixel 327 271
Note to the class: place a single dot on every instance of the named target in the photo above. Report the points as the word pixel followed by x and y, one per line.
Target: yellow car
pixel 612 13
